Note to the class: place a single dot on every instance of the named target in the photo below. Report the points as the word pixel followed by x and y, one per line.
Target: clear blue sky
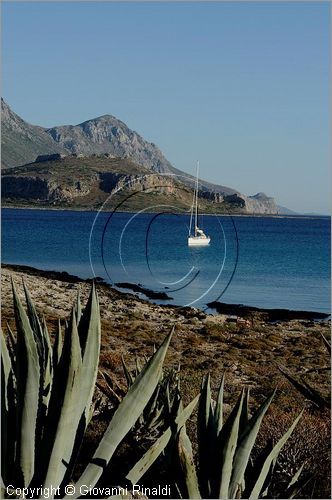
pixel 243 87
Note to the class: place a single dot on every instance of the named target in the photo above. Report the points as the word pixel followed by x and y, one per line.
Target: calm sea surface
pixel 259 261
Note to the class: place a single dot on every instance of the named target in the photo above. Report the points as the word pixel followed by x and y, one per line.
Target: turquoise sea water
pixel 279 262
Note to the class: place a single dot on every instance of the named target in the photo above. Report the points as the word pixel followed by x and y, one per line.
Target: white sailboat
pixel 198 238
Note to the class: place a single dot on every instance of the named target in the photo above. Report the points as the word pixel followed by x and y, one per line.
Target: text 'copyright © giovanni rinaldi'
pixel 71 490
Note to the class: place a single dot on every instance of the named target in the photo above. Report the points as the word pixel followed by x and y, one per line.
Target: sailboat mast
pixel 192 213
pixel 196 201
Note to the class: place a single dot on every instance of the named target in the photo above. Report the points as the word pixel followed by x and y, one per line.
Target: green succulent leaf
pixel 206 435
pixel 158 447
pixel 28 391
pixel 247 438
pixel 244 418
pixel 130 379
pixel 35 324
pixel 272 456
pixel 78 308
pixel 226 447
pixel 8 413
pixel 127 414
pixel 7 367
pixel 11 345
pixel 187 464
pixel 218 412
pixel 69 416
pixel 57 346
pixel 296 477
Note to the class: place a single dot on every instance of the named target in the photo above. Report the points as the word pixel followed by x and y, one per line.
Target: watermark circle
pixel 110 217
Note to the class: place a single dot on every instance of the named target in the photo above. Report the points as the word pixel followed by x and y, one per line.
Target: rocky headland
pixel 34 158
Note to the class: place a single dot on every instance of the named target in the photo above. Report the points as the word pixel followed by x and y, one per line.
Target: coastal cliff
pixel 76 181
pixel 34 160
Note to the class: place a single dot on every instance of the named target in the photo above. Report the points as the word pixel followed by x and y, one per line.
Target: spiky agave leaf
pixel 297 483
pixel 8 414
pixel 43 343
pixel 28 392
pixel 11 344
pixel 78 307
pixel 35 326
pixel 80 383
pixel 160 444
pixel 225 449
pixel 296 477
pixel 90 348
pixel 57 346
pixel 187 464
pixel 68 421
pixel 206 436
pixel 130 379
pixel 46 380
pixel 272 456
pixel 244 418
pixel 7 368
pixel 154 402
pixel 88 319
pixel 107 389
pixel 138 367
pixel 254 468
pixel 248 434
pixel 156 414
pixel 218 412
pixel 48 366
pixel 126 415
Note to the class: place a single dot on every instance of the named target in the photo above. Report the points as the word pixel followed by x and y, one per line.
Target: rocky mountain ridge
pixel 22 142
pixel 106 135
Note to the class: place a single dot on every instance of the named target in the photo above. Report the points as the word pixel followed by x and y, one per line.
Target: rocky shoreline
pixel 150 294
pixel 28 206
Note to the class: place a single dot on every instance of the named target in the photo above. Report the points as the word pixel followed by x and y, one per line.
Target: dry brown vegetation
pixel 250 356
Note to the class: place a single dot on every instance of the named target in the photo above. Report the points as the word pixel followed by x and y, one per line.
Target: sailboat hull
pixel 198 241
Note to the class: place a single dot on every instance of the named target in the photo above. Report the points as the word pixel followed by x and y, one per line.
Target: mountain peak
pixel 100 135
pixel 260 196
pixel 22 142
pixel 106 135
pixel 102 118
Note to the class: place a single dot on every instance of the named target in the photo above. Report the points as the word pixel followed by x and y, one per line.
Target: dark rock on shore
pixel 265 314
pixel 51 275
pixel 151 294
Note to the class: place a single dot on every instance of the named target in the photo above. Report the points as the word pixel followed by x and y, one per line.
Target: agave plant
pixel 157 414
pixel 163 444
pixel 225 449
pixel 225 466
pixel 46 398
